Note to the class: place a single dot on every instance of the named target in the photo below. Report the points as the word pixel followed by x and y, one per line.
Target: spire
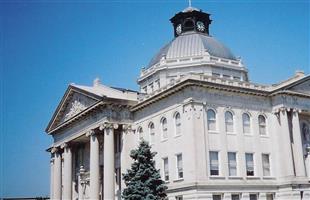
pixel 189 3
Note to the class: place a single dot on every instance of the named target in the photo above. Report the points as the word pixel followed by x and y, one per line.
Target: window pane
pixel 249 164
pixel 211 120
pixel 180 166
pixel 177 124
pixel 229 122
pixel 232 164
pixel 214 164
pixel 152 133
pixel 262 125
pixel 235 197
pixel 246 123
pixel 164 128
pixel 266 164
pixel 253 196
pixel 140 133
pixel 166 169
pixel 217 197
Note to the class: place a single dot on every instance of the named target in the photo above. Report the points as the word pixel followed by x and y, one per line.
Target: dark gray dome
pixel 192 44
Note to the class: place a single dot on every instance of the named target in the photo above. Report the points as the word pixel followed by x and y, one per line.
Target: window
pixel 266 164
pixel 144 89
pixel 180 166
pixel 253 196
pixel 166 169
pixel 270 196
pixel 216 197
pixel 262 125
pixel 157 83
pixel 179 198
pixel 152 133
pixel 246 123
pixel 235 197
pixel 214 163
pixel 140 133
pixel 249 164
pixel 226 76
pixel 177 119
pixel 211 120
pixel 151 87
pixel 164 128
pixel 229 122
pixel 232 164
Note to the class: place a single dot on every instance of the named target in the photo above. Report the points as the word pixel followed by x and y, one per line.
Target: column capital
pixel 296 110
pixel 127 128
pixel 90 133
pixel 55 149
pixel 108 125
pixel 64 145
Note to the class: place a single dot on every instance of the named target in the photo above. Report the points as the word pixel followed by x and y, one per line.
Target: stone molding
pixel 108 125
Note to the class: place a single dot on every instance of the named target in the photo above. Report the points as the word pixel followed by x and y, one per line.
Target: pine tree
pixel 143 181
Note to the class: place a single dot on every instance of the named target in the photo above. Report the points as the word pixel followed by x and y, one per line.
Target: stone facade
pixel 218 136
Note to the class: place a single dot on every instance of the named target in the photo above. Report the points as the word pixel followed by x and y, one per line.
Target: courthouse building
pixel 217 134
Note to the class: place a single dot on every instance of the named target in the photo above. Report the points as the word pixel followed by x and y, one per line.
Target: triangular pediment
pixel 302 86
pixel 74 102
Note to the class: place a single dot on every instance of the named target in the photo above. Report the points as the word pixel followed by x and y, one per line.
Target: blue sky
pixel 45 46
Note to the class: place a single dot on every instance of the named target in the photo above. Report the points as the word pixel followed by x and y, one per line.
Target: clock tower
pixel 189 20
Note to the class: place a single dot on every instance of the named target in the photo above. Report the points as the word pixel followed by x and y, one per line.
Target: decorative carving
pixel 76 107
pixel 107 125
pixel 127 128
pixel 90 133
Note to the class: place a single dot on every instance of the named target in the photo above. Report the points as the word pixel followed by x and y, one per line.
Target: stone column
pixel 287 167
pixel 67 182
pixel 109 161
pixel 297 146
pixel 308 162
pixel 52 178
pixel 57 174
pixel 94 165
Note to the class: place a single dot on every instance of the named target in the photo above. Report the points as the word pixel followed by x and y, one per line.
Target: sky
pixel 45 45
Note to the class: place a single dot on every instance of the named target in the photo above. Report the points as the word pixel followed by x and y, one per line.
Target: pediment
pixel 301 87
pixel 74 102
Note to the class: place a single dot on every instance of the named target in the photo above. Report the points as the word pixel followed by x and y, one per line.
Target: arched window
pixel 140 133
pixel 189 25
pixel 164 128
pixel 177 118
pixel 229 121
pixel 152 133
pixel 211 116
pixel 262 125
pixel 246 121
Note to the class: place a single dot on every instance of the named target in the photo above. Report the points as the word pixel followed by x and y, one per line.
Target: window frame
pixel 249 125
pixel 246 164
pixel 164 128
pixel 268 165
pixel 264 125
pixel 151 128
pixel 229 123
pixel 140 133
pixel 236 163
pixel 178 129
pixel 166 177
pixel 218 163
pixel 178 172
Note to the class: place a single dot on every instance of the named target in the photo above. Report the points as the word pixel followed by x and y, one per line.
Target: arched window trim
pixel 177 124
pixel 250 123
pixel 164 128
pixel 262 127
pixel 209 121
pixel 229 123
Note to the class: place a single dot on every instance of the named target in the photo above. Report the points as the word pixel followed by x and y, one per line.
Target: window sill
pixel 264 136
pixel 213 132
pixel 178 180
pixel 217 177
pixel 252 177
pixel 231 133
pixel 269 177
pixel 176 136
pixel 235 177
pixel 164 140
pixel 248 135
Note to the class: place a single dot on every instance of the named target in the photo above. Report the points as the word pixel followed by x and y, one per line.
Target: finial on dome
pixel 96 82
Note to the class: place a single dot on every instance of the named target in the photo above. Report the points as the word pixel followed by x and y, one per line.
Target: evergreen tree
pixel 143 181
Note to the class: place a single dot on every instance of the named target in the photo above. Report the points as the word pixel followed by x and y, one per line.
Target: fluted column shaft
pixel 67 182
pixel 109 164
pixel 52 178
pixel 57 176
pixel 298 152
pixel 94 166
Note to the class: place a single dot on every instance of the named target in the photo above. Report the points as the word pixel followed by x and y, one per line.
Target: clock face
pixel 200 26
pixel 179 29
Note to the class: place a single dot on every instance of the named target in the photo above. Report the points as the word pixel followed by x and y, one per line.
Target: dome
pixel 192 44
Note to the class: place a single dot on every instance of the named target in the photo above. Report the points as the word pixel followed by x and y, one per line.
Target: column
pixel 67 182
pixel 52 178
pixel 57 174
pixel 297 146
pixel 109 161
pixel 287 168
pixel 94 165
pixel 308 162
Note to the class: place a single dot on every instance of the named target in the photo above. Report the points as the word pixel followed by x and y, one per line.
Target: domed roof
pixel 192 44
